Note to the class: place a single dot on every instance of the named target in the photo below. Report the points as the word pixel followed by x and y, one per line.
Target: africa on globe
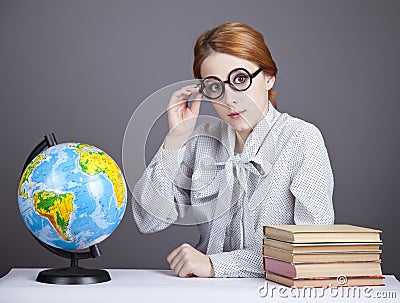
pixel 72 196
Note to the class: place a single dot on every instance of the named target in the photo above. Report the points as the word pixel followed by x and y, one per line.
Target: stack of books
pixel 322 255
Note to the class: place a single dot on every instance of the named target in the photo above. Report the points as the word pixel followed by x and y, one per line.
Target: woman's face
pixel 242 110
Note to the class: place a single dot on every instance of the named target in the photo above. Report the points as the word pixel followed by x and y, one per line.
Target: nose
pixel 230 96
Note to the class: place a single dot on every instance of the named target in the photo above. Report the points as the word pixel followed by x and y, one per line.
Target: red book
pixel 322 269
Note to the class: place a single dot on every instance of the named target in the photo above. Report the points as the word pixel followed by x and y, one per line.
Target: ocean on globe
pixel 72 196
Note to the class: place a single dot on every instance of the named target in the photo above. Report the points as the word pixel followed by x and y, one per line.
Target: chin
pixel 241 126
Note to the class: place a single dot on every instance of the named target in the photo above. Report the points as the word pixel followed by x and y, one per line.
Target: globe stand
pixel 73 274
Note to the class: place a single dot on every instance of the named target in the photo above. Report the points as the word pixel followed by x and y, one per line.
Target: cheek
pixel 258 96
pixel 219 108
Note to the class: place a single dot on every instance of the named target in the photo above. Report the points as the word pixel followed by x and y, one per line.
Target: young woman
pixel 255 167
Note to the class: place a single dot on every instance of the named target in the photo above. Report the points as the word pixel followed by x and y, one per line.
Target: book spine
pixel 280 267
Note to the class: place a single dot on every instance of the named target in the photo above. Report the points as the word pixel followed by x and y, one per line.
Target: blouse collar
pixel 257 136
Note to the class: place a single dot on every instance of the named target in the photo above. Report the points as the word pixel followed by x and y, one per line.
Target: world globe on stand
pixel 72 196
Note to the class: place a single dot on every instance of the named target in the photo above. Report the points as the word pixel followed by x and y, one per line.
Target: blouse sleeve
pixel 312 179
pixel 156 197
pixel 238 264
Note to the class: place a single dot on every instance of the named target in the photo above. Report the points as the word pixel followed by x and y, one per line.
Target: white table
pixel 134 285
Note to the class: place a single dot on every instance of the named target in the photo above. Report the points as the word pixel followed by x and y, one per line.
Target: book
pixel 322 247
pixel 326 281
pixel 322 269
pixel 322 233
pixel 332 256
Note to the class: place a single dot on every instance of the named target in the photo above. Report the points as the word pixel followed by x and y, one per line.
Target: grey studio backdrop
pixel 80 68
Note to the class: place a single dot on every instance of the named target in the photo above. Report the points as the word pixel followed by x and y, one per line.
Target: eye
pixel 240 78
pixel 214 87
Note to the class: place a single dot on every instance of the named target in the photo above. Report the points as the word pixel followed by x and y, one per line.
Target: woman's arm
pixel 238 263
pixel 187 261
pixel 312 179
pixel 155 196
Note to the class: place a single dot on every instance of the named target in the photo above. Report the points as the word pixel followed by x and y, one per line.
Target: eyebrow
pixel 226 74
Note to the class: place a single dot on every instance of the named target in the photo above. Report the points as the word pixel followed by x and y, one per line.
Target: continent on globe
pixel 27 173
pixel 55 207
pixel 97 162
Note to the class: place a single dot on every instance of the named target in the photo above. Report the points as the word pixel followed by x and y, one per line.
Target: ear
pixel 270 81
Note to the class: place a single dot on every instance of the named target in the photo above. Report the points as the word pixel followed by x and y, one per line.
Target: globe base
pixel 73 275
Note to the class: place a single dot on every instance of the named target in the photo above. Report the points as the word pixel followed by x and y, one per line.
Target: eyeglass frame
pixel 253 75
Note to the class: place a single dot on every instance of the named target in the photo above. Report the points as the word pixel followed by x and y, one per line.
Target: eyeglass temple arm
pixel 256 72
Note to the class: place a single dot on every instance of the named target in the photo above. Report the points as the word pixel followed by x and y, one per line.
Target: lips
pixel 236 114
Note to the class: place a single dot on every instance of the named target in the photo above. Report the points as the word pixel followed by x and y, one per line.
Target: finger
pixel 180 267
pixel 173 254
pixel 195 107
pixel 181 93
pixel 191 87
pixel 176 263
pixel 178 103
pixel 186 270
pixel 183 259
pixel 179 98
pixel 185 267
pixel 183 250
pixel 184 91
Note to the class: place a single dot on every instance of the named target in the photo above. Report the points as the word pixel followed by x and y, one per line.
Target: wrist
pixel 212 274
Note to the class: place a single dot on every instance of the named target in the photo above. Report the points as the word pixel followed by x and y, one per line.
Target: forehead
pixel 219 65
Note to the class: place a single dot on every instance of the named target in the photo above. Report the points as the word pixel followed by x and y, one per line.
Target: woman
pixel 255 167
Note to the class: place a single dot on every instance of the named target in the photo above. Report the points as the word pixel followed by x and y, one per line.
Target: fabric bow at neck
pixel 239 166
pixel 234 202
pixel 237 170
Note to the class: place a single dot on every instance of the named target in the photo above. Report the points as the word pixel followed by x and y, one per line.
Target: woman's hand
pixel 181 117
pixel 187 261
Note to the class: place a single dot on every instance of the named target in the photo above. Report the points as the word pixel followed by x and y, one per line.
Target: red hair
pixel 239 40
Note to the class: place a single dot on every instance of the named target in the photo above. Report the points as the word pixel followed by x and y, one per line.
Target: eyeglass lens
pixel 239 79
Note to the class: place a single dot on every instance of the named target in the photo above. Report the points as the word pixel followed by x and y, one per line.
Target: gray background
pixel 80 68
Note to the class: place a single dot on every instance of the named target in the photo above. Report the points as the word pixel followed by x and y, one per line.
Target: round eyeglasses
pixel 239 79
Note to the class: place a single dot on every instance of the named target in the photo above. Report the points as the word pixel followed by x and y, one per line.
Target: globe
pixel 72 196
